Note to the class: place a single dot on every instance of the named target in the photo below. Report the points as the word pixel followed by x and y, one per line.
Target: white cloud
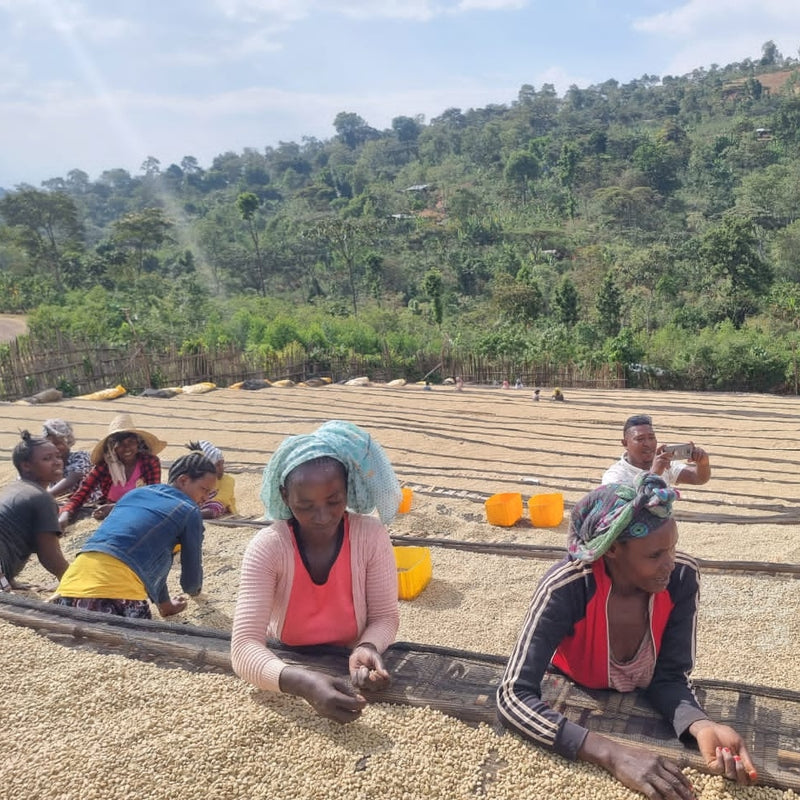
pixel 14 75
pixel 72 19
pixel 491 5
pixel 561 79
pixel 419 10
pixel 711 32
pixel 122 129
pixel 277 15
pixel 60 101
pixel 697 18
pixel 66 17
pixel 254 10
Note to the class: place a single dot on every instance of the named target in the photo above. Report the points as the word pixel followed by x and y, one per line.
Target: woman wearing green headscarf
pixel 620 612
pixel 324 571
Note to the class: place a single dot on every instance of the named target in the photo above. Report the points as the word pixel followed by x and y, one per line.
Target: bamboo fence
pixel 28 366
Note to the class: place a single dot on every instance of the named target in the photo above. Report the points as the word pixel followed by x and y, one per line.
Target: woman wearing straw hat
pixel 124 459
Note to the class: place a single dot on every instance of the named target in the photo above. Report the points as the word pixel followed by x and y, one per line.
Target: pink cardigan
pixel 266 582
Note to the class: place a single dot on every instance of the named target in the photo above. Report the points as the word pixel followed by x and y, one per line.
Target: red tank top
pixel 321 613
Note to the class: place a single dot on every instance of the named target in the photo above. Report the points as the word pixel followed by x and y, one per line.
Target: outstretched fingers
pixel 669 783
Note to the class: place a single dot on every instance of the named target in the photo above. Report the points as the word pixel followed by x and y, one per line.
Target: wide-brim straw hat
pixel 123 423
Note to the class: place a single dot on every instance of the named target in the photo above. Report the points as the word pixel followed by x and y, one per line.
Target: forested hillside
pixel 652 224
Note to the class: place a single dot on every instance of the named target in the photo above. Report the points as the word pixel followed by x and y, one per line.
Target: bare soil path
pixel 12 325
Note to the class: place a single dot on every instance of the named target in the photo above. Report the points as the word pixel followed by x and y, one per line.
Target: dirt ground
pixel 11 326
pixel 454 448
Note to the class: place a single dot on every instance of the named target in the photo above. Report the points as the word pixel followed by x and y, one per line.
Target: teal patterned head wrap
pixel 371 482
pixel 617 512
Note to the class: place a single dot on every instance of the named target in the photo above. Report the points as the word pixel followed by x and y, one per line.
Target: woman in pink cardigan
pixel 320 574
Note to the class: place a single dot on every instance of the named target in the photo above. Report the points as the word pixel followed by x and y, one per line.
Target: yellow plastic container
pixel 414 570
pixel 546 510
pixel 406 500
pixel 504 509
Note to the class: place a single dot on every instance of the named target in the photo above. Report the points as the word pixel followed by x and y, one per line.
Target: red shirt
pixel 321 613
pixel 584 655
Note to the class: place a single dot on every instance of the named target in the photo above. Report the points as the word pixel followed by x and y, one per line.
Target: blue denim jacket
pixel 142 531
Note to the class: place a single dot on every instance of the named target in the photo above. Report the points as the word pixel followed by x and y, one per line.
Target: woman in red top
pixel 320 574
pixel 123 460
pixel 620 613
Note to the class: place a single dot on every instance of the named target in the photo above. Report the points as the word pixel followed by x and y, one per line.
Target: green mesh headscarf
pixel 371 482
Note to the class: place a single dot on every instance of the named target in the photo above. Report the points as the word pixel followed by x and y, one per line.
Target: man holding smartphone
pixel 643 454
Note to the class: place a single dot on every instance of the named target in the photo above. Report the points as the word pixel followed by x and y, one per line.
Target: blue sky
pixel 99 84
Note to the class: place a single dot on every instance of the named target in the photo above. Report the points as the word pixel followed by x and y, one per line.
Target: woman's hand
pixel 724 751
pixel 333 698
pixel 101 512
pixel 366 668
pixel 656 777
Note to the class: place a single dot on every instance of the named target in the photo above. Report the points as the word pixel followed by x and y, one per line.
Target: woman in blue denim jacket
pixel 127 559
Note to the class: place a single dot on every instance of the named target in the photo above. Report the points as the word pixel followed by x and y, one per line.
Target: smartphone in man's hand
pixel 679 451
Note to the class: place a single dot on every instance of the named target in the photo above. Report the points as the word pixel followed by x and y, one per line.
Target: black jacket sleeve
pixel 671 691
pixel 559 601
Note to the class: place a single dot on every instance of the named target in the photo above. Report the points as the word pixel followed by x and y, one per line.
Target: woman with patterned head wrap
pixel 76 462
pixel 619 613
pixel 323 572
pixel 223 501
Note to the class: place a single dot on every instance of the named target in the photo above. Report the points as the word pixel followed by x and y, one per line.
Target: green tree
pixel 432 287
pixel 348 241
pixel 521 168
pixel 770 55
pixel 141 232
pixel 786 120
pixel 248 204
pixel 628 208
pixel 374 273
pixel 45 225
pixel 771 196
pixel 784 305
pixel 567 169
pixel 352 129
pixel 517 301
pixel 657 161
pixel 151 166
pixel 786 252
pixel 623 348
pixel 731 252
pixel 566 302
pixel 609 306
pixel 407 129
